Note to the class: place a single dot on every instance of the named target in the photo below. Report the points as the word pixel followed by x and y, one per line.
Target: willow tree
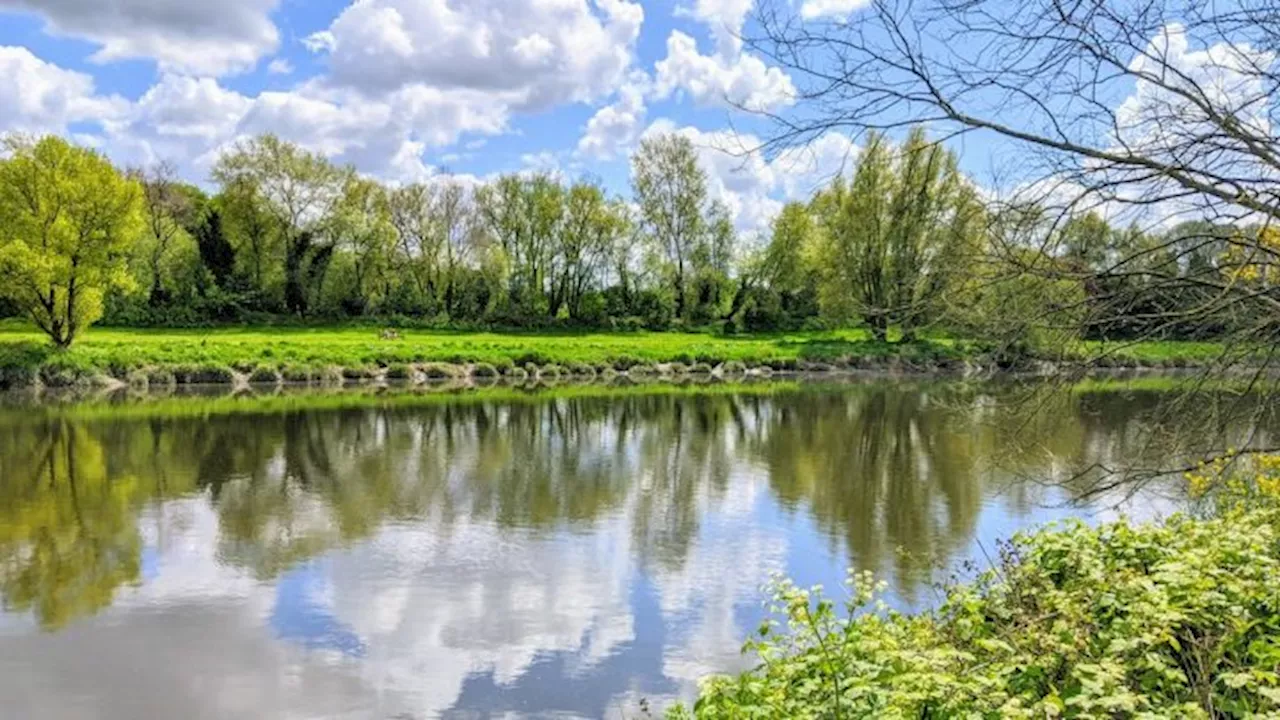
pixel 68 220
pixel 897 236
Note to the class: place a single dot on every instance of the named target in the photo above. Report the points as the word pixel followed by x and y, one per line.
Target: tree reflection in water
pixel 878 467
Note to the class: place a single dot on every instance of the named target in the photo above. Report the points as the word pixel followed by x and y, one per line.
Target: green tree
pixel 671 190
pixel 69 220
pixel 299 190
pixel 898 235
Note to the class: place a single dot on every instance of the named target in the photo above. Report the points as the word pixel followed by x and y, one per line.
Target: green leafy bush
pixel 1179 618
pixel 484 370
pixel 264 374
pixel 439 371
pixel 211 374
pixel 297 373
pixel 399 371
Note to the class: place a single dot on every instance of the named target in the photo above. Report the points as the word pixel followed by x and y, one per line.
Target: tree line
pixel 904 244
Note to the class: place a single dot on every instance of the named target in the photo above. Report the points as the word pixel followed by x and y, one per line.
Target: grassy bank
pixel 1179 618
pixel 207 355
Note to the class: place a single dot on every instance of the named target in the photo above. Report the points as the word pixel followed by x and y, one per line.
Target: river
pixel 558 553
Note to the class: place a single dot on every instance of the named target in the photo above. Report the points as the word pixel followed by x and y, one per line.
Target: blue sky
pixel 408 89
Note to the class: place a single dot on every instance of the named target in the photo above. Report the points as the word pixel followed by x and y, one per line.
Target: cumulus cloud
pixel 40 97
pixel 740 81
pixel 839 9
pixel 752 186
pixel 613 130
pixel 531 55
pixel 725 19
pixel 190 120
pixel 193 37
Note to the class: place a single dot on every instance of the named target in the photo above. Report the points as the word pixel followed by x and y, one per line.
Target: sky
pixel 408 89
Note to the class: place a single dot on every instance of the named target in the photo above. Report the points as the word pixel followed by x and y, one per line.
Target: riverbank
pixel 319 355
pixel 1176 618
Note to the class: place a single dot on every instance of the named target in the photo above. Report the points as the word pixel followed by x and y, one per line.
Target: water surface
pixel 549 555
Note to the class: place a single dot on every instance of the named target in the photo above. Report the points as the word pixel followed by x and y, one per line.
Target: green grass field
pixel 118 351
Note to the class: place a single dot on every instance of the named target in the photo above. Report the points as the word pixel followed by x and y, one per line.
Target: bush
pixel 484 370
pixel 581 370
pixel 20 363
pixel 333 375
pixel 264 374
pixel 1173 619
pixel 733 367
pixel 60 372
pixel 549 372
pixel 159 376
pixel 358 372
pixel 399 371
pixel 204 374
pixel 439 371
pixel 296 374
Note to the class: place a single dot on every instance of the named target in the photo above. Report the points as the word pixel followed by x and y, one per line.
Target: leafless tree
pixel 1151 112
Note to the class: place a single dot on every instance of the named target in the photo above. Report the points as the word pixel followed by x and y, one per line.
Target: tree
pixel 897 235
pixel 362 226
pixel 1156 112
pixel 216 252
pixel 300 191
pixel 167 211
pixel 671 190
pixel 69 220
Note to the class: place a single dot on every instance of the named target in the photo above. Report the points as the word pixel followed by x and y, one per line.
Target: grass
pixel 120 351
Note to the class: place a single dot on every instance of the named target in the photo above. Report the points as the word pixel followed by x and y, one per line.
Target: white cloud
pixel 189 121
pixel 532 55
pixel 40 97
pixel 839 9
pixel 725 18
pixel 205 38
pixel 743 81
pixel 752 186
pixel 280 66
pixel 614 128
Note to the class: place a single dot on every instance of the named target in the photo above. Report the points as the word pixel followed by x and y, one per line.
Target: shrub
pixel 296 374
pixel 1173 619
pixel 159 376
pixel 333 375
pixel 439 371
pixel 549 372
pixel 581 370
pixel 358 372
pixel 399 371
pixel 211 374
pixel 484 370
pixel 20 363
pixel 504 365
pixel 733 367
pixel 264 374
pixel 60 372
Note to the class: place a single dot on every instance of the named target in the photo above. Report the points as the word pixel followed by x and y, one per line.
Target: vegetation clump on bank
pixel 1177 618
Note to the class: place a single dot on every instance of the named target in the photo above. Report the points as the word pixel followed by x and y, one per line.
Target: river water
pixel 571 553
